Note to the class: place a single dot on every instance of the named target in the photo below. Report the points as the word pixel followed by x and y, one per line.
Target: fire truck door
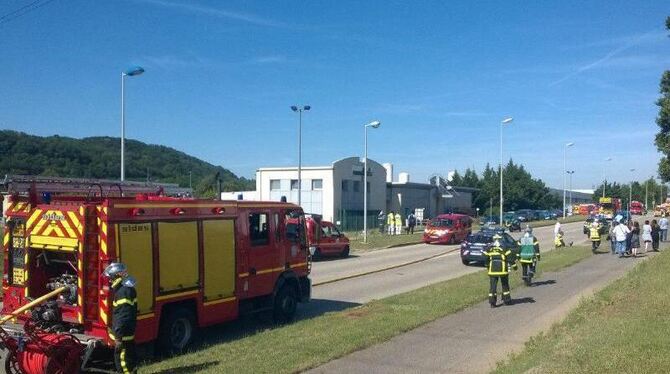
pixel 219 252
pixel 263 254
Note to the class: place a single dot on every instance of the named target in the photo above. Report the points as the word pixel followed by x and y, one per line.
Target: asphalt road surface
pixel 358 290
pixel 472 341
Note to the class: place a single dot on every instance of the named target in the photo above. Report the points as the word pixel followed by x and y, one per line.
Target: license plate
pixel 475 252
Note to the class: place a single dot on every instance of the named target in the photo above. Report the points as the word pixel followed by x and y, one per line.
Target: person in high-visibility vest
pixel 529 255
pixel 594 235
pixel 498 262
pixel 124 316
pixel 390 223
pixel 398 224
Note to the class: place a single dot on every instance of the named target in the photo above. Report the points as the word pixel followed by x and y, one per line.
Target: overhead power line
pixel 22 11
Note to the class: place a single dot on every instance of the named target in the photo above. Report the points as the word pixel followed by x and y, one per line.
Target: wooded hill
pixel 99 157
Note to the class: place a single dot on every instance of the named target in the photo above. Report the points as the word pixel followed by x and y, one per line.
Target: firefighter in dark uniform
pixel 498 262
pixel 124 316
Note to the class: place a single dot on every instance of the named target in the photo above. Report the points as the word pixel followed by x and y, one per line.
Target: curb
pixel 384 269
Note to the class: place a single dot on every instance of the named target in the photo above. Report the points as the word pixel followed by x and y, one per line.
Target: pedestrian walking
pixel 621 232
pixel 663 224
pixel 529 255
pixel 411 222
pixel 646 235
pixel 655 235
pixel 398 224
pixel 635 238
pixel 390 223
pixel 381 219
pixel 612 237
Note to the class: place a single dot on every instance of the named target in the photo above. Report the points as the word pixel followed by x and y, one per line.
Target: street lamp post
pixel 374 125
pixel 570 172
pixel 502 123
pixel 565 155
pixel 604 177
pixel 300 110
pixel 630 194
pixel 128 73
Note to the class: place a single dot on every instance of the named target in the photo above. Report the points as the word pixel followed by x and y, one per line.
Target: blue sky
pixel 439 75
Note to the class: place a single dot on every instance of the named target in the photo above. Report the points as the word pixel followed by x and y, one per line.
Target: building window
pixel 294 184
pixel 258 229
pixel 317 184
pixel 357 186
pixel 275 184
pixel 345 185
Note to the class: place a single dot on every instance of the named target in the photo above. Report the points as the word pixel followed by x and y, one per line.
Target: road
pixel 359 290
pixel 471 341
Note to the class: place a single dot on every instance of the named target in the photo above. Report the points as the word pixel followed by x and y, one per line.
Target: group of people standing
pixel 391 223
pixel 625 238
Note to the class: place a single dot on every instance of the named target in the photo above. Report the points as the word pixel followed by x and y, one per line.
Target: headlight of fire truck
pixel 312 250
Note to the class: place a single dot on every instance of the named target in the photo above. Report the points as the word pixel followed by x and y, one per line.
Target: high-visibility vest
pixel 528 249
pixel 595 234
pixel 390 219
pixel 497 261
pixel 398 219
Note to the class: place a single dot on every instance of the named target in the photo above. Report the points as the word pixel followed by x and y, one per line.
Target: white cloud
pixel 217 12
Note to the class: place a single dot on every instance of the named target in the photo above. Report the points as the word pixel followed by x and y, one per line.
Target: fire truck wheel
pixel 11 363
pixel 285 304
pixel 176 330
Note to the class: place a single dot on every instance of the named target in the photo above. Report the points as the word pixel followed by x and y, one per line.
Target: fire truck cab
pixel 197 262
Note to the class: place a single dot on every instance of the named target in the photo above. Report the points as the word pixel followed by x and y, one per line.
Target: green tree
pixel 663 122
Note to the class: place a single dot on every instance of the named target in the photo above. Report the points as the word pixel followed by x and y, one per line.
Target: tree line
pixel 650 190
pixel 520 189
pixel 99 157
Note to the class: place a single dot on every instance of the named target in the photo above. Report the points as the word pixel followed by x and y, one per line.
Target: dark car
pixel 472 249
pixel 544 215
pixel 524 215
pixel 489 220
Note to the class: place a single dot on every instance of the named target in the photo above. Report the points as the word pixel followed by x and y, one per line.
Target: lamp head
pixel 135 70
pixel 374 124
pixel 307 107
pixel 294 108
pixel 507 120
pixel 569 144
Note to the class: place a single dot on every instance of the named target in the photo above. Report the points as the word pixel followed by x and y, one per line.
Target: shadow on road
pixel 523 300
pixel 189 369
pixel 333 258
pixel 543 283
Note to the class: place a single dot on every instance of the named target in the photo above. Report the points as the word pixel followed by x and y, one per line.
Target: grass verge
pixel 309 343
pixel 621 329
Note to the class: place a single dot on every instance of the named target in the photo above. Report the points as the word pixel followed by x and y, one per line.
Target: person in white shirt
pixel 663 223
pixel 557 228
pixel 620 232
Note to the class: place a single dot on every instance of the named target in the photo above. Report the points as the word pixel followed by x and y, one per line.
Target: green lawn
pixel 622 329
pixel 309 343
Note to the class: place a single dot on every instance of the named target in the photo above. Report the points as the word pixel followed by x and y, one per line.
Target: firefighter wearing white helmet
pixel 498 262
pixel 529 255
pixel 124 316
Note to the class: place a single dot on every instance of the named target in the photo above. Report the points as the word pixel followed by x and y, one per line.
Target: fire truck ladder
pixel 26 184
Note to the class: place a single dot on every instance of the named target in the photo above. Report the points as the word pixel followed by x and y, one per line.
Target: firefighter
pixel 529 254
pixel 594 235
pixel 498 262
pixel 398 224
pixel 390 222
pixel 124 316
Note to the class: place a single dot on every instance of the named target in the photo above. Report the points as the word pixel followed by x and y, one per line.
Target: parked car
pixel 488 220
pixel 324 239
pixel 472 249
pixel 447 228
pixel 512 224
pixel 544 215
pixel 524 215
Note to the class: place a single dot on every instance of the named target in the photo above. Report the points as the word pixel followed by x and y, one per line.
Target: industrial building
pixel 336 192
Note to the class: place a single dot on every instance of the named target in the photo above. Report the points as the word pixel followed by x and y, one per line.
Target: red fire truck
pixel 197 262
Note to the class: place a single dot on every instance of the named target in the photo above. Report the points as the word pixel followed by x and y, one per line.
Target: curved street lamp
pixel 505 121
pixel 374 125
pixel 565 153
pixel 134 71
pixel 299 110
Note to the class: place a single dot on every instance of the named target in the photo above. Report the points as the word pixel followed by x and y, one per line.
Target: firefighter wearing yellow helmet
pixel 498 262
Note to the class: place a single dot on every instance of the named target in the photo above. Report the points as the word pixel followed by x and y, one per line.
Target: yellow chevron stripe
pixel 36 214
pixel 41 222
pixel 104 210
pixel 5 240
pixel 81 211
pixel 103 316
pixel 80 317
pixel 75 220
pixel 19 206
pixel 103 246
pixel 70 232
pixel 103 227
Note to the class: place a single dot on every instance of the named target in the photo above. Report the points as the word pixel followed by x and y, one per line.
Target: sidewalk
pixel 472 341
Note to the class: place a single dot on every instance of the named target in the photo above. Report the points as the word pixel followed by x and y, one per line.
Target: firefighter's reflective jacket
pixel 595 233
pixel 529 249
pixel 499 260
pixel 390 219
pixel 124 311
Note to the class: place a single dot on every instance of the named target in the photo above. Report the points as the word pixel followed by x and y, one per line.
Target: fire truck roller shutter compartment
pixel 219 252
pixel 178 255
pixel 135 251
